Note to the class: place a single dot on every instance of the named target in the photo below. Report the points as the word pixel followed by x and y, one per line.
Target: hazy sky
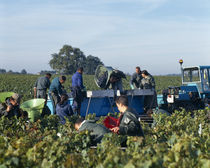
pixel 153 34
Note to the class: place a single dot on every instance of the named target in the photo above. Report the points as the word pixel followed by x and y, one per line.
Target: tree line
pixel 4 71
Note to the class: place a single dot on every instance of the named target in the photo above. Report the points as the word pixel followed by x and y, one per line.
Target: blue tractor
pixel 193 94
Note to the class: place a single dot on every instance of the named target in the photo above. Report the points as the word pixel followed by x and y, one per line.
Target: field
pixel 179 140
pixel 23 84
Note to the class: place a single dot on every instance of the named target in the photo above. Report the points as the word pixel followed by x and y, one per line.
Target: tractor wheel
pixel 190 107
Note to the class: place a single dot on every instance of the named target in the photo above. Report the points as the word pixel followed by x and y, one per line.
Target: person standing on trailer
pixel 56 90
pixel 148 82
pixel 77 88
pixel 115 82
pixel 41 86
pixel 136 78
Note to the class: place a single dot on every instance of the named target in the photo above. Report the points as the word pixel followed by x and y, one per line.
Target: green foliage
pixel 173 142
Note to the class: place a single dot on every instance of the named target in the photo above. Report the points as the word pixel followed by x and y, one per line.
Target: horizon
pixel 152 34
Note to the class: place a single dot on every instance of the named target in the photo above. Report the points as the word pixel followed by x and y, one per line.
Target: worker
pixel 116 82
pixel 128 122
pixel 136 78
pixel 97 130
pixel 148 82
pixel 10 107
pixel 41 86
pixel 63 109
pixel 77 90
pixel 56 90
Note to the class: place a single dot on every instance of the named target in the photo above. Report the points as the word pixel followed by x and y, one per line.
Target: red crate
pixel 111 122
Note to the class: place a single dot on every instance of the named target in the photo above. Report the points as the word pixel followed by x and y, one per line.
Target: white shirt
pixel 82 123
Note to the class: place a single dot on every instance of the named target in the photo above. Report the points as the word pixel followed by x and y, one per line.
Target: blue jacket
pixel 77 80
pixel 56 86
pixel 63 110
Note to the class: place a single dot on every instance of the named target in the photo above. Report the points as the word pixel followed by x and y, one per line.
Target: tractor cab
pixel 197 76
pixel 193 94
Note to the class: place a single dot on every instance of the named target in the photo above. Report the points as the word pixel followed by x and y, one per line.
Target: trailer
pixel 101 102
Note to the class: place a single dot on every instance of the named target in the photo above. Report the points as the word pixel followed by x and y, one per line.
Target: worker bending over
pixel 97 130
pixel 63 109
pixel 115 82
pixel 56 90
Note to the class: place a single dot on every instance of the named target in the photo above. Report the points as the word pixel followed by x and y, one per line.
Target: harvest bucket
pixel 4 95
pixel 34 108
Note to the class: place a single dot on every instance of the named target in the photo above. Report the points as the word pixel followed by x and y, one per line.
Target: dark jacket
pixel 56 86
pixel 97 130
pixel 77 80
pixel 43 83
pixel 129 124
pixel 148 82
pixel 136 79
pixel 63 110
pixel 15 111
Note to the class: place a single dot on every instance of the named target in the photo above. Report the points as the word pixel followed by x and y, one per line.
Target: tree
pixel 10 72
pixel 69 59
pixel 91 64
pixel 23 71
pixel 2 71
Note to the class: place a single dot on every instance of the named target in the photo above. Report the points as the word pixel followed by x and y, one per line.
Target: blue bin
pixel 50 106
pixel 103 106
